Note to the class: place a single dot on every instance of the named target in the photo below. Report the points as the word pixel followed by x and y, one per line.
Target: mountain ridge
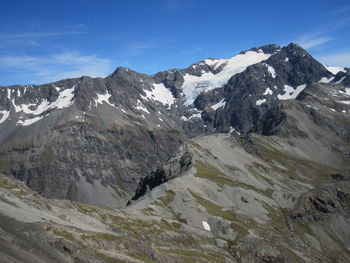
pixel 241 160
pixel 232 96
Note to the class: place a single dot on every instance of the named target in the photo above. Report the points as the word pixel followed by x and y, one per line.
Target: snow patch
pixel 271 70
pixel 290 92
pixel 312 107
pixel 268 91
pixel 140 106
pixel 347 91
pixel 197 115
pixel 160 93
pixel 215 62
pixel 206 225
pixel 103 98
pixel 29 121
pixel 64 100
pixel 220 104
pixel 343 101
pixel 335 70
pixel 194 85
pixel 8 93
pixel 231 130
pixel 286 59
pixel 339 81
pixel 326 80
pixel 5 115
pixel 184 118
pixel 259 102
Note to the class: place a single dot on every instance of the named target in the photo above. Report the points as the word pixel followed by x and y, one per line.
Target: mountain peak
pixel 267 49
pixel 296 49
pixel 122 71
pixel 293 45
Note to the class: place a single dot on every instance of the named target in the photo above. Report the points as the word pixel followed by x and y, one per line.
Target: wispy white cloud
pixel 142 46
pixel 139 47
pixel 340 10
pixel 342 22
pixel 80 26
pixel 55 66
pixel 191 50
pixel 39 34
pixel 341 59
pixel 311 40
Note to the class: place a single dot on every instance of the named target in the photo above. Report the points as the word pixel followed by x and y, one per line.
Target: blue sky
pixel 44 41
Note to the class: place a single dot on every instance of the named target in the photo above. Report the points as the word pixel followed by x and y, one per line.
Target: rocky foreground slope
pixel 244 159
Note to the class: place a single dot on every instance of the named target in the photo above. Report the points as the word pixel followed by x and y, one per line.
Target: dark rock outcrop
pixel 320 203
pixel 269 255
pixel 174 167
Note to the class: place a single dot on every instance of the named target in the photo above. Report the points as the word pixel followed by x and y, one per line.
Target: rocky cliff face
pixel 70 140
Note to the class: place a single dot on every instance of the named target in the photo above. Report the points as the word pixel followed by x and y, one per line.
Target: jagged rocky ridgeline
pixel 99 140
pixel 230 160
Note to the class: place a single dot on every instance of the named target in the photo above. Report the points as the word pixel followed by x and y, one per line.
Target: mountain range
pixel 245 159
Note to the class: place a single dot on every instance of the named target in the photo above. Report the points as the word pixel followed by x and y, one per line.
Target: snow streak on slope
pixel 271 70
pixel 340 81
pixel 259 102
pixel 268 91
pixel 5 115
pixel 140 106
pixel 64 100
pixel 194 85
pixel 206 225
pixel 335 70
pixel 29 121
pixel 290 92
pixel 326 80
pixel 215 62
pixel 160 93
pixel 103 98
pixel 220 104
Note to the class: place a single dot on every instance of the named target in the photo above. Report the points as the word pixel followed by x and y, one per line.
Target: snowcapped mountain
pixel 220 71
pixel 229 154
pixel 116 130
